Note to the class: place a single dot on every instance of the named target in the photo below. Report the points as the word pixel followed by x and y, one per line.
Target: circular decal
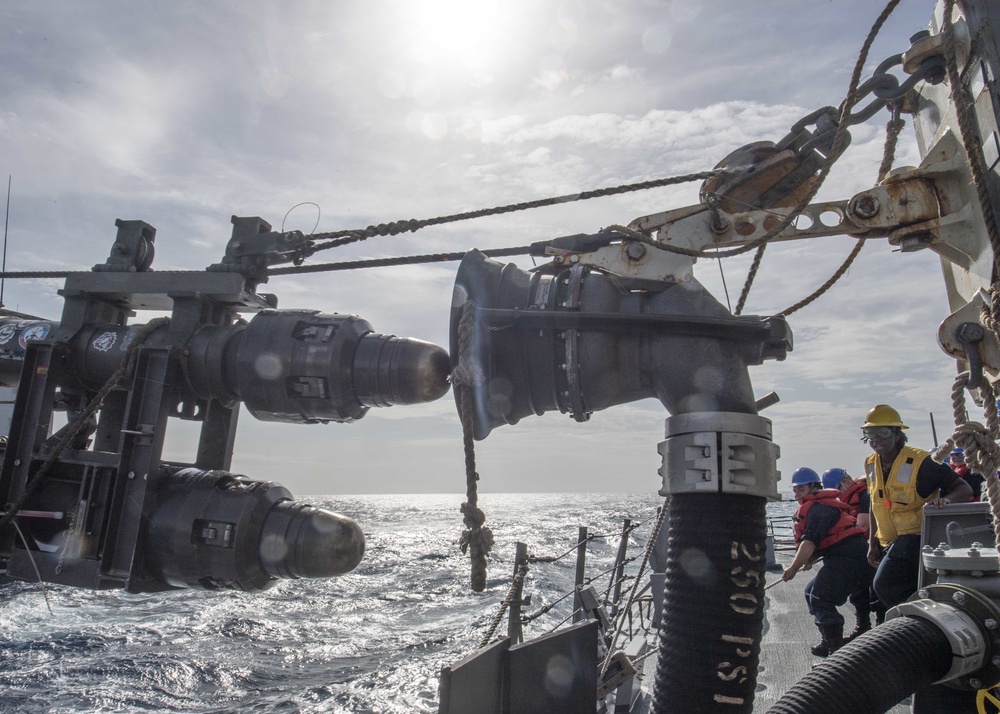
pixel 37 331
pixel 6 332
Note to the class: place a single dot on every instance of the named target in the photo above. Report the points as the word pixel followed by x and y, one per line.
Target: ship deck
pixel 785 656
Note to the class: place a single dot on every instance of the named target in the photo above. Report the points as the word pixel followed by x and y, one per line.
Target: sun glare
pixel 464 32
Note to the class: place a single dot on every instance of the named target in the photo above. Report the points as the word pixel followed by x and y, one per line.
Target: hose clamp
pixel 962 615
pixel 719 452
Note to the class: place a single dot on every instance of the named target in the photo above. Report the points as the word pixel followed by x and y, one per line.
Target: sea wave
pixel 373 641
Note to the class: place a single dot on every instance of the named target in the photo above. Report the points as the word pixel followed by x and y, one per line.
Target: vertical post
pixel 218 435
pixel 6 221
pixel 514 611
pixel 619 571
pixel 581 566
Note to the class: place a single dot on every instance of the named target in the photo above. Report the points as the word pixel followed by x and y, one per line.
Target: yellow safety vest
pixel 896 506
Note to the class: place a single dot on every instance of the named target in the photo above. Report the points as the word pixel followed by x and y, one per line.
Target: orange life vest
pixel 852 497
pixel 843 528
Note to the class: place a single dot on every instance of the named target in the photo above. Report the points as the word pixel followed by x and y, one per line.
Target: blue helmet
pixel 833 477
pixel 959 451
pixel 804 475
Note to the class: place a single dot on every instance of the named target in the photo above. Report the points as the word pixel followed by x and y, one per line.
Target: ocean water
pixel 372 641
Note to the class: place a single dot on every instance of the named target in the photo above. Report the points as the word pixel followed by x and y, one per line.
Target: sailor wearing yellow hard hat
pixel 901 480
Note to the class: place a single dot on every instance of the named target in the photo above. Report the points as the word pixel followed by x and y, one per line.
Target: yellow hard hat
pixel 883 415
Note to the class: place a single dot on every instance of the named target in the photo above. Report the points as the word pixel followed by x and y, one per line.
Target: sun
pixel 467 33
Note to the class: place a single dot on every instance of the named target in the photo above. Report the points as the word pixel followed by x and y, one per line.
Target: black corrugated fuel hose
pixel 872 673
pixel 709 640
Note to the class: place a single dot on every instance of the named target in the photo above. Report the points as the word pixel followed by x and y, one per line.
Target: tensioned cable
pixel 345 237
pixel 6 221
pixel 389 262
pixel 317 268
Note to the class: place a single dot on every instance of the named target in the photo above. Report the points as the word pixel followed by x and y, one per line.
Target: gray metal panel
pixel 156 291
pixel 476 684
pixel 629 691
pixel 967 258
pixel 959 525
pixel 984 19
pixel 736 422
pixel 556 673
pixel 656 584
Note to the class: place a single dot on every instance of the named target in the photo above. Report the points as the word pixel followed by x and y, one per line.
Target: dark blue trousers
pixel 845 570
pixel 896 577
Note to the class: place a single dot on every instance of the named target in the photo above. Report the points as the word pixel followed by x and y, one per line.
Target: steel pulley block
pixel 763 176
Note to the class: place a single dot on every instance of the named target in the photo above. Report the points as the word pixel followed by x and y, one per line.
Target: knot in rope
pixel 473 516
pixel 477 541
pixel 466 375
pixel 981 450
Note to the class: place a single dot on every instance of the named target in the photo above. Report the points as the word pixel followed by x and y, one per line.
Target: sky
pixel 183 114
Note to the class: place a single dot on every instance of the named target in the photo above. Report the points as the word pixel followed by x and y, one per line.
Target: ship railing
pixel 586 597
pixel 780 530
pixel 623 611
pixel 638 616
pixel 617 605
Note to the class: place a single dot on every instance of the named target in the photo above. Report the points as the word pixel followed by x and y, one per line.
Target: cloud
pixel 654 129
pixel 183 115
pixel 621 72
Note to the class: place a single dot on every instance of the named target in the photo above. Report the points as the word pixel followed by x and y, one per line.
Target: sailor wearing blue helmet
pixel 824 527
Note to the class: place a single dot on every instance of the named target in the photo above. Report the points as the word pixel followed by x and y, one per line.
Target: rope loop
pixel 467 373
pixel 982 453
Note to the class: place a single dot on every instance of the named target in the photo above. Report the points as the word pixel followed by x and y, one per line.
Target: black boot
pixel 833 638
pixel 864 624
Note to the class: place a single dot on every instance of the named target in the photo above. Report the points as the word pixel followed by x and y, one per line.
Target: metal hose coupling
pixel 719 452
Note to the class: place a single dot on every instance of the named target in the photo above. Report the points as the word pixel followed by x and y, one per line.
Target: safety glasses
pixel 877 432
